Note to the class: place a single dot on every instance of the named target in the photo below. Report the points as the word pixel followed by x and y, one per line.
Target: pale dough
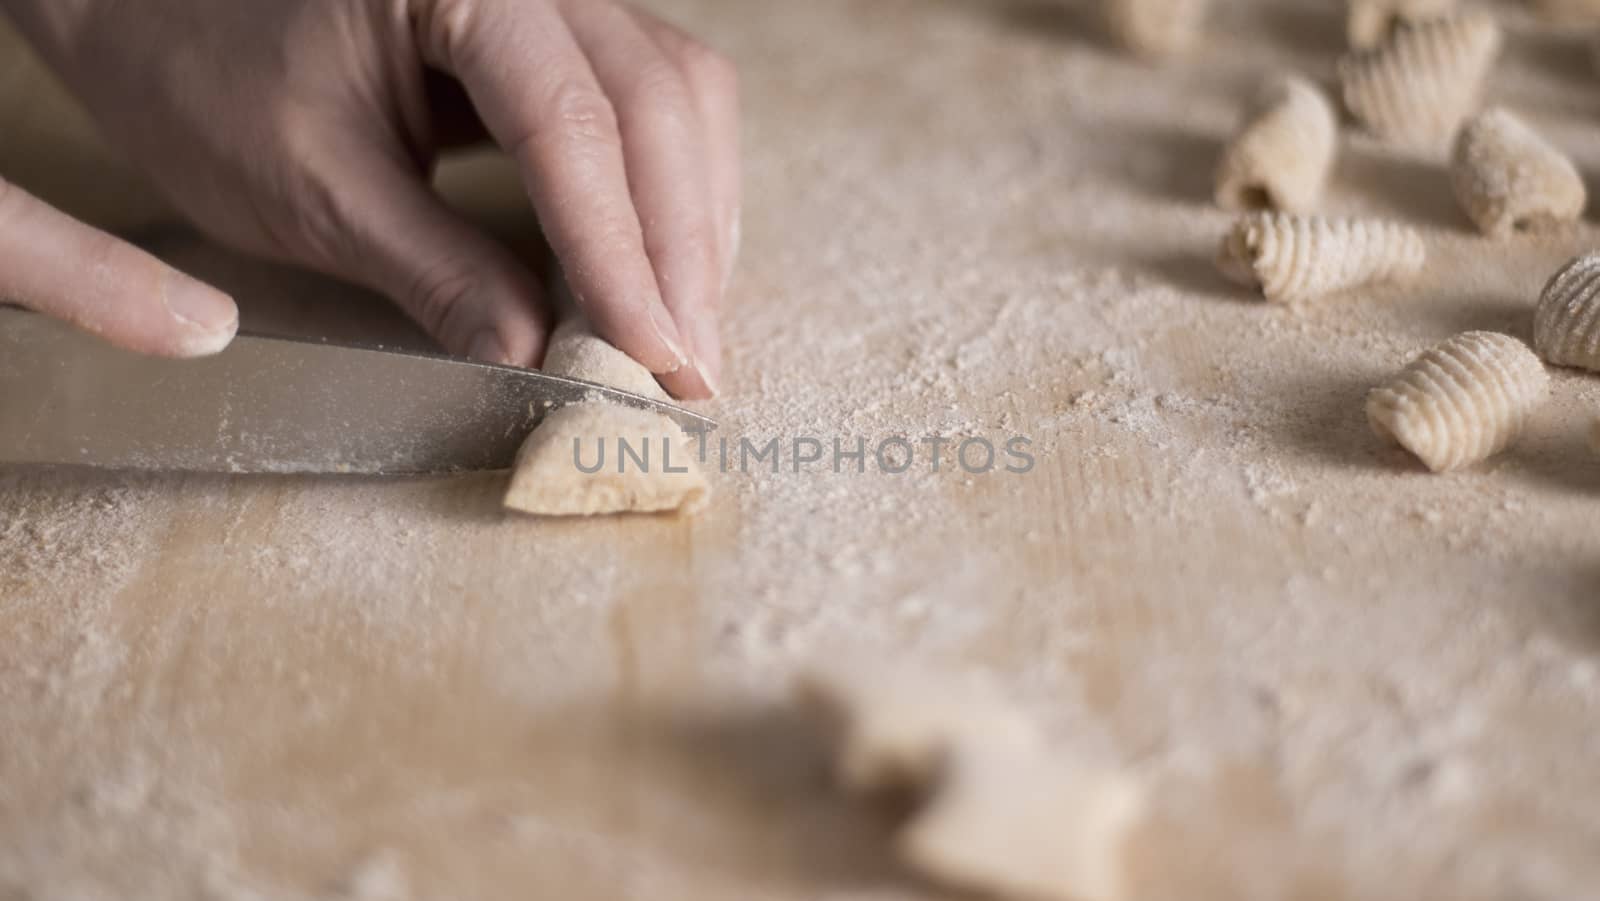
pixel 996 810
pixel 547 478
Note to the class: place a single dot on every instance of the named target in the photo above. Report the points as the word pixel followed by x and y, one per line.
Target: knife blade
pixel 270 404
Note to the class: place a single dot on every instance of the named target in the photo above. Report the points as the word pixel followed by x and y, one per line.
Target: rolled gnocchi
pixel 1280 160
pixel 1155 28
pixel 1462 401
pixel 1566 321
pixel 1371 22
pixel 1293 258
pixel 1508 178
pixel 1416 89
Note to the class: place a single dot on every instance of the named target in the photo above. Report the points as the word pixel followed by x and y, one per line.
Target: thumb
pixel 461 285
pixel 54 264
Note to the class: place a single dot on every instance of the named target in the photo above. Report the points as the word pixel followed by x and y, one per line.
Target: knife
pixel 270 404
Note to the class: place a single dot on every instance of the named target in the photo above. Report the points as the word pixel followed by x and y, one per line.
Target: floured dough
pixel 548 479
pixel 996 811
pixel 1023 825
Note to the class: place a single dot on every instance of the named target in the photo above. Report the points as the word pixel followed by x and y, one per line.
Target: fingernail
pixel 209 316
pixel 667 332
pixel 708 353
pixel 487 348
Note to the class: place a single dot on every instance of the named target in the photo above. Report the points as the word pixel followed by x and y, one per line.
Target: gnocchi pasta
pixel 1280 160
pixel 1293 258
pixel 1566 322
pixel 1371 22
pixel 1508 178
pixel 1416 89
pixel 1155 28
pixel 1462 401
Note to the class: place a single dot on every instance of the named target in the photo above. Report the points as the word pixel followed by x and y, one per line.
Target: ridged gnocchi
pixel 1417 88
pixel 1371 22
pixel 1566 321
pixel 1280 159
pixel 1155 28
pixel 1509 178
pixel 1293 258
pixel 1462 401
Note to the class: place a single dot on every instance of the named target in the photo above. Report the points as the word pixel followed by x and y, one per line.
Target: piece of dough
pixel 1021 825
pixel 996 811
pixel 661 474
pixel 1508 178
pixel 1280 159
pixel 1371 22
pixel 1462 401
pixel 1416 89
pixel 1566 321
pixel 1155 28
pixel 1293 258
pixel 894 727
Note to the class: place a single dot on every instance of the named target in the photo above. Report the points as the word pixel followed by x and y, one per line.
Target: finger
pixel 714 82
pixel 56 265
pixel 461 285
pixel 664 147
pixel 540 100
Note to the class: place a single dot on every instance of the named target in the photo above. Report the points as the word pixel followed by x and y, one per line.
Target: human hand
pixel 305 130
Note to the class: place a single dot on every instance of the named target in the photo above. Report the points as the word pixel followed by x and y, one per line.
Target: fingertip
pixel 688 383
pixel 199 343
pixel 195 304
pixel 205 320
pixel 488 348
pixel 670 339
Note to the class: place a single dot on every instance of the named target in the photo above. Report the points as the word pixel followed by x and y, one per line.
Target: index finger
pixel 540 99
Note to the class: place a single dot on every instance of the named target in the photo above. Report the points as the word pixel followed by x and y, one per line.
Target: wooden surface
pixel 1341 676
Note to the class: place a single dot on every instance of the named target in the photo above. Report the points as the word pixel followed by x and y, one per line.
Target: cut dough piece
pixel 548 480
pixel 895 726
pixel 1280 159
pixel 995 811
pixel 1022 825
pixel 578 353
pixel 1509 178
pixel 658 471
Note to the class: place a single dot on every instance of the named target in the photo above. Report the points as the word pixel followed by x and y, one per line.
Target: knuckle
pixel 659 86
pixel 442 26
pixel 439 296
pixel 582 112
